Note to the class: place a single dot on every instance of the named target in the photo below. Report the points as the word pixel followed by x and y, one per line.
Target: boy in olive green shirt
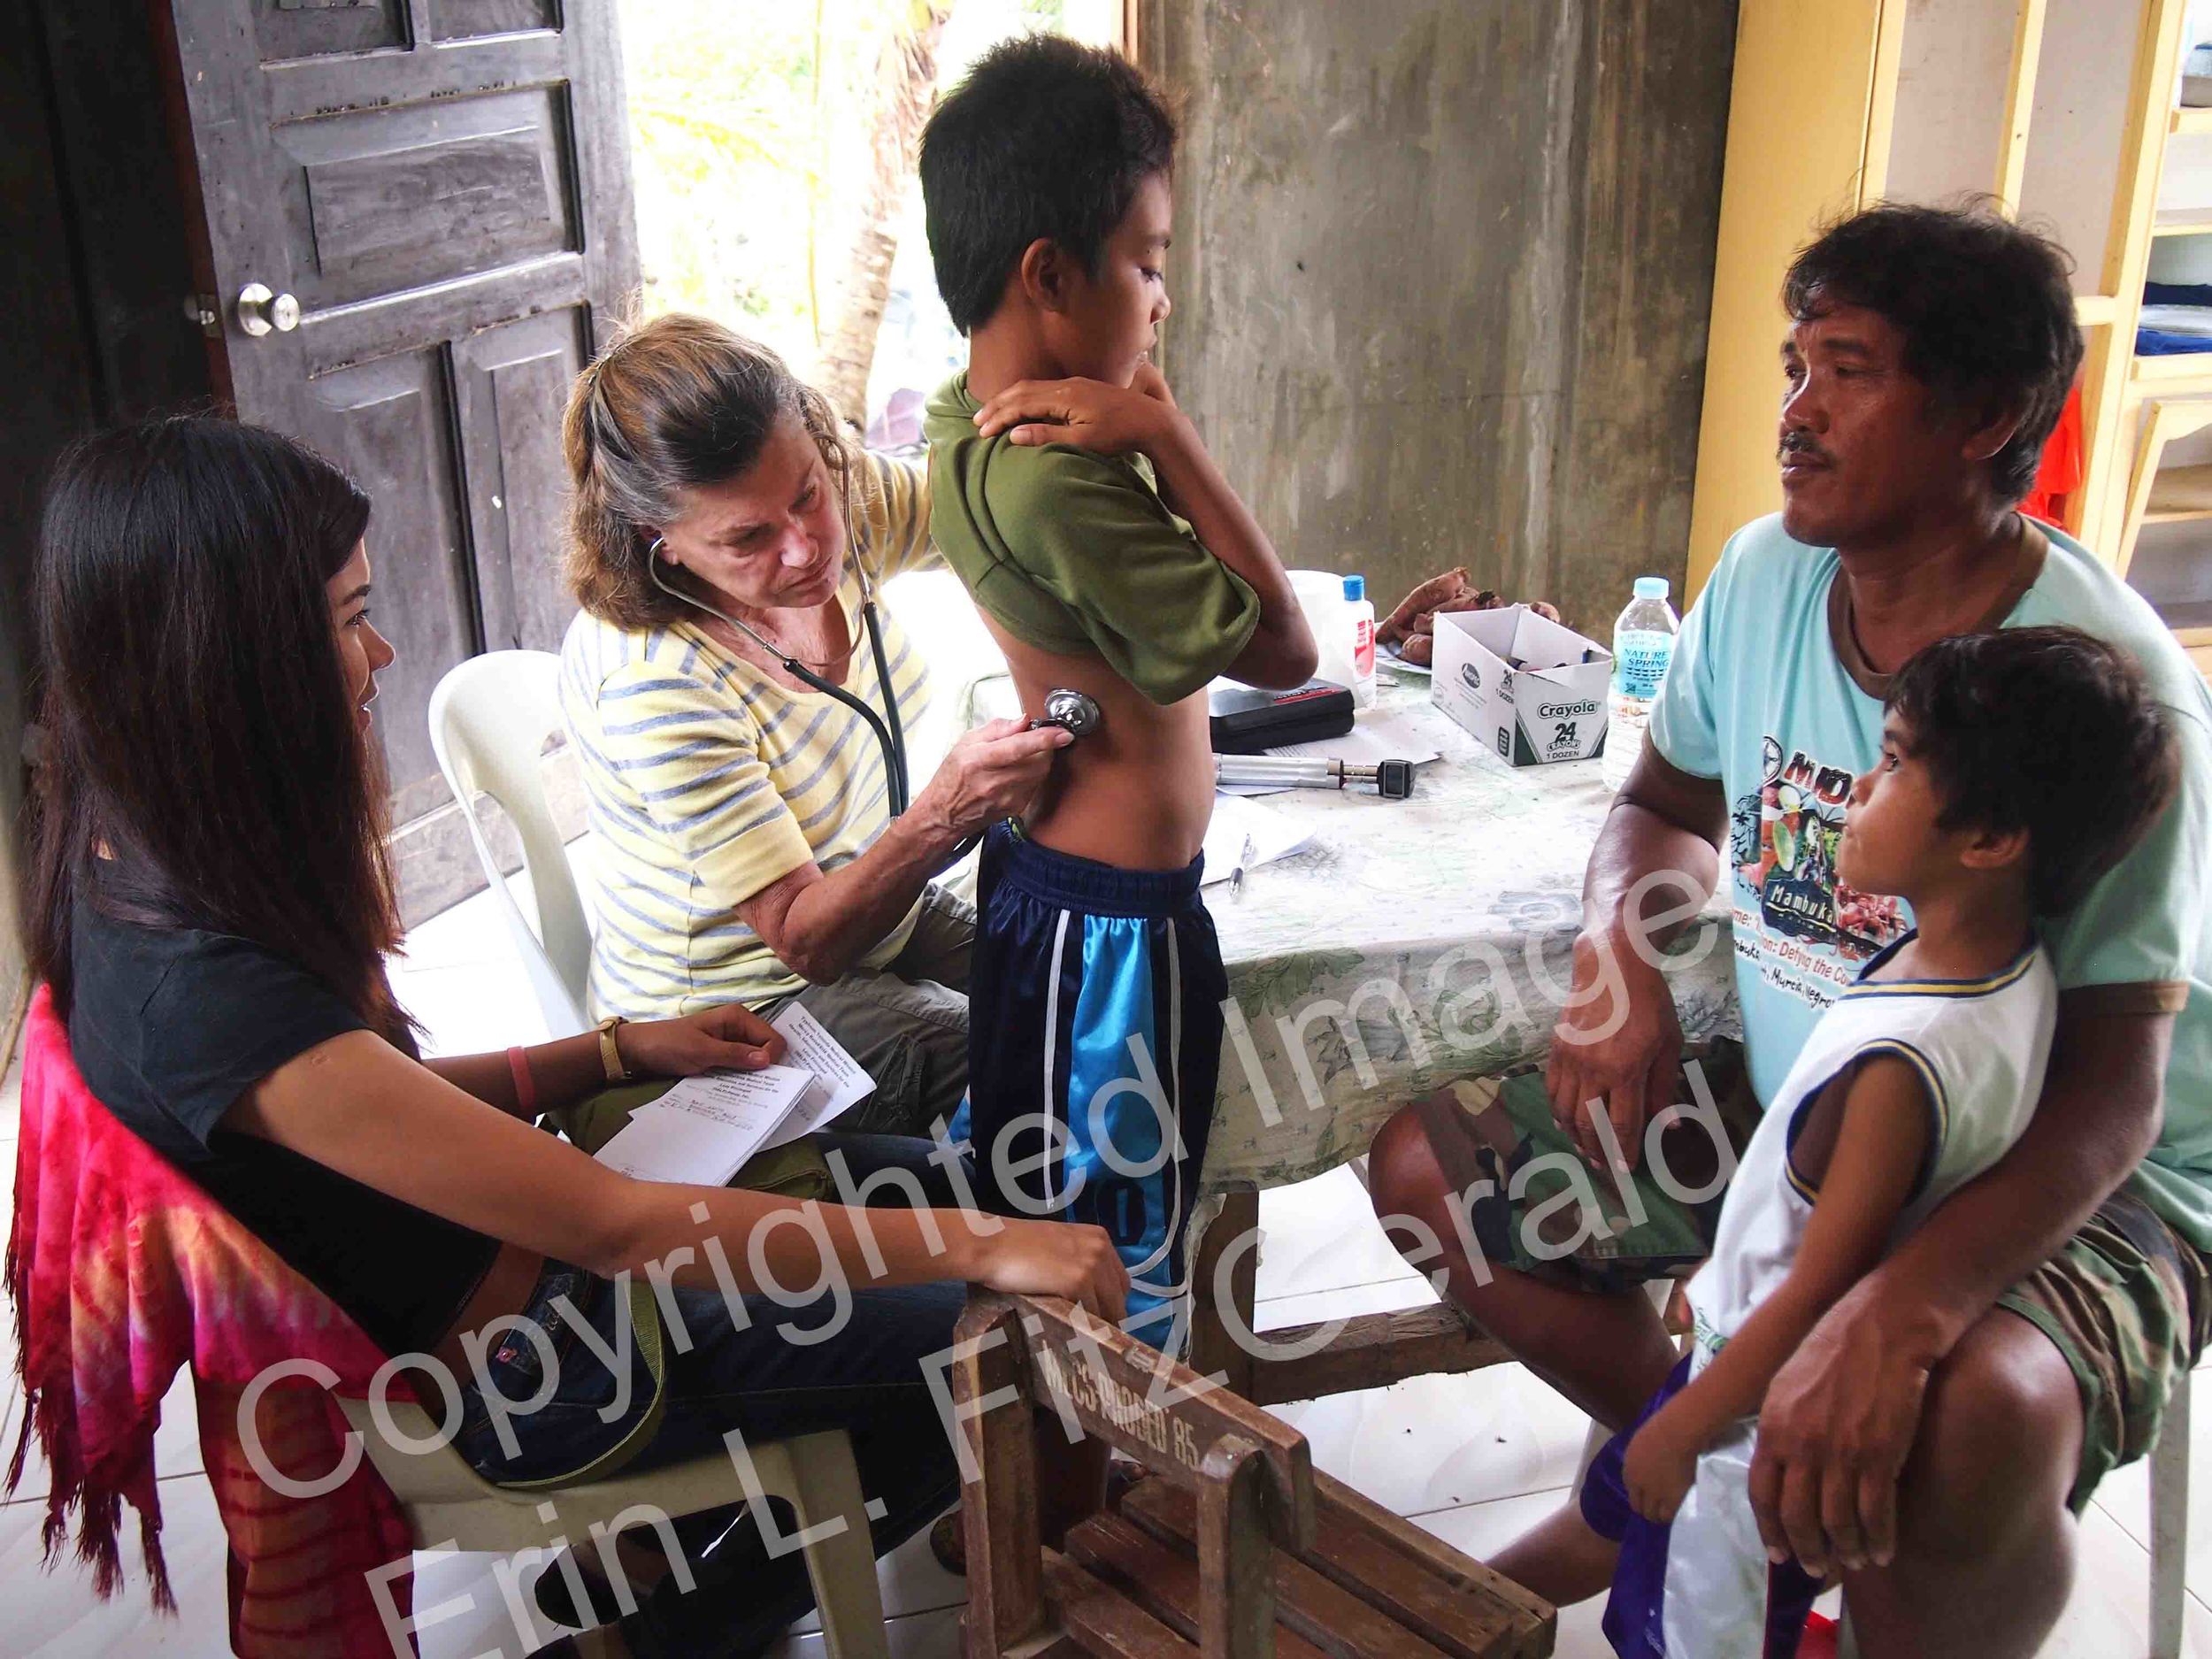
pixel 1108 555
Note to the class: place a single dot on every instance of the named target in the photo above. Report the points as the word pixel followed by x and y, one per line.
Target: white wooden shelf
pixel 2183 221
pixel 2184 375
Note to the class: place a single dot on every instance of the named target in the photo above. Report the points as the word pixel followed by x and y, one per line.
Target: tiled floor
pixel 1475 1459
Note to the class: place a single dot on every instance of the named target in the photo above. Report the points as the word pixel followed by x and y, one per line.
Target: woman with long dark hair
pixel 211 906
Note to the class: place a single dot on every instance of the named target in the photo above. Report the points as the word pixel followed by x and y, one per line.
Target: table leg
pixel 1214 1348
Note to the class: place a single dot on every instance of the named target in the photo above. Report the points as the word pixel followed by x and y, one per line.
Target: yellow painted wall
pixel 1806 69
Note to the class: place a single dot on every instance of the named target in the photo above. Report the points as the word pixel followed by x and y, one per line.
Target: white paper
pixel 1376 734
pixel 1272 836
pixel 812 1049
pixel 704 1128
pixel 672 1147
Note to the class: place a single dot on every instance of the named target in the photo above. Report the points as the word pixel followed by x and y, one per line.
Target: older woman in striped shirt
pixel 747 849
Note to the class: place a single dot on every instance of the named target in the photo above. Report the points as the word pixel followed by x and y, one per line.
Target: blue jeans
pixel 867 1379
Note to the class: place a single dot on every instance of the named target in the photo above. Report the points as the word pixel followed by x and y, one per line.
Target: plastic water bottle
pixel 1321 599
pixel 1643 645
pixel 1360 613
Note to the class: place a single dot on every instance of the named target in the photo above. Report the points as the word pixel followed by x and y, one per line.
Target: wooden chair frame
pixel 1224 1475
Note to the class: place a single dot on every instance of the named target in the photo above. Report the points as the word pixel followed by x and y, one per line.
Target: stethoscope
pixel 889 734
pixel 1074 711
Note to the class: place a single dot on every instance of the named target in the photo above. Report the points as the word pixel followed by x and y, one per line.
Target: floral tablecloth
pixel 1412 942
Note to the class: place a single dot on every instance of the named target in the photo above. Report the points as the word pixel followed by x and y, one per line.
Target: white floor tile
pixel 1443 1442
pixel 11 1103
pixel 53 1613
pixel 1322 1235
pixel 481 1623
pixel 470 1010
pixel 469 934
pixel 2109 1615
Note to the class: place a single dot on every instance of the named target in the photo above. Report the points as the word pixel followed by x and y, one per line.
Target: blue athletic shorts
pixel 1095 1031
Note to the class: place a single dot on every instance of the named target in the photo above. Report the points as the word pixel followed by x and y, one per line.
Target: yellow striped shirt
pixel 709 781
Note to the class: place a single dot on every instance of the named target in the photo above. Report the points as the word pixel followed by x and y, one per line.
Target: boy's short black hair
pixel 1986 310
pixel 2048 730
pixel 1045 138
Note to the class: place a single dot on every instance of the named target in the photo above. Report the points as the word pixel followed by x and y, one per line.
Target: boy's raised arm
pixel 1110 420
pixel 1879 1146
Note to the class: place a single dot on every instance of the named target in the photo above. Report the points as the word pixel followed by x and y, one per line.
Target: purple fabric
pixel 1635 1612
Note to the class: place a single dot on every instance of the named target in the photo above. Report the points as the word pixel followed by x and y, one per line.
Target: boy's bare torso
pixel 1138 793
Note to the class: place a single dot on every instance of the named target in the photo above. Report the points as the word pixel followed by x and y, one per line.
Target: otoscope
pixel 1393 780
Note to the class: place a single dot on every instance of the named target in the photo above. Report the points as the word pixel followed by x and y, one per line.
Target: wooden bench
pixel 1230 1546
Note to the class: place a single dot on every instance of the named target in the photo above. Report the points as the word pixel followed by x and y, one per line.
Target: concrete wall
pixel 1441 277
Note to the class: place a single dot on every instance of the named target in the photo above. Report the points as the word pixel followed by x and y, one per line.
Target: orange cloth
pixel 2060 471
pixel 121 1270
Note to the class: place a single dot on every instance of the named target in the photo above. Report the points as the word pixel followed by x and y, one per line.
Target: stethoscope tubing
pixel 890 736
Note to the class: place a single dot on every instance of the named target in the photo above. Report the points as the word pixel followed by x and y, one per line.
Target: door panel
pixel 511 385
pixel 304 29
pixel 443 187
pixel 459 20
pixel 384 202
pixel 390 424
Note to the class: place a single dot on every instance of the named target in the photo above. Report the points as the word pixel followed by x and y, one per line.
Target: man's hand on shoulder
pixel 1089 414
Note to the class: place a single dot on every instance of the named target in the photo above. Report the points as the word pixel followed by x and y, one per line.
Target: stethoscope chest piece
pixel 1075 712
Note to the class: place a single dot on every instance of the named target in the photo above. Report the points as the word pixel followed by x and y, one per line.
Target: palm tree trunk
pixel 906 77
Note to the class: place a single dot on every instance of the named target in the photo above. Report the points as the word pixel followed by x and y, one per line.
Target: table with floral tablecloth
pixel 1410 943
pixel 1407 945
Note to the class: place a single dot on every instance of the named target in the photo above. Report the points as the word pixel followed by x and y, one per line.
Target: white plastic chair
pixel 448 1504
pixel 490 718
pixel 2169 1523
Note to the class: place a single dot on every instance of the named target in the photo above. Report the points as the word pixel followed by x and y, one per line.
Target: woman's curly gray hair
pixel 671 405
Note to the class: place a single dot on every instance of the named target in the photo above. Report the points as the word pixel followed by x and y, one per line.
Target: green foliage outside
pixel 748 129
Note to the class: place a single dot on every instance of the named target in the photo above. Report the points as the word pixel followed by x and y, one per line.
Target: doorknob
pixel 260 311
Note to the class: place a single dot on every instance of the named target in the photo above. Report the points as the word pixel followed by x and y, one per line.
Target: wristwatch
pixel 609 1055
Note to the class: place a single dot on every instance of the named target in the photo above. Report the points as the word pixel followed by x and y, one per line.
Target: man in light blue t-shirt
pixel 1930 1437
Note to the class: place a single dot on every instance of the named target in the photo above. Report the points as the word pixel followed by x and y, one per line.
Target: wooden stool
pixel 1230 1546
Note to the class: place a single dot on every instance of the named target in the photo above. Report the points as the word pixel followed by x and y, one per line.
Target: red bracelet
pixel 526 1089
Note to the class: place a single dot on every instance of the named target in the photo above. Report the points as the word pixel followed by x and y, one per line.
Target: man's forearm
pixel 1621 899
pixel 2098 1115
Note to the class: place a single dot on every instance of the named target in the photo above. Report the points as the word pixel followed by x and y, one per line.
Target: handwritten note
pixel 838 1079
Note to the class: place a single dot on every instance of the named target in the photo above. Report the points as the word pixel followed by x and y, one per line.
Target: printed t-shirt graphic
pixel 1808 931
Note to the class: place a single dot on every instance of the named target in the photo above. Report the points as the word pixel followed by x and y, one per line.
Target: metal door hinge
pixel 206 310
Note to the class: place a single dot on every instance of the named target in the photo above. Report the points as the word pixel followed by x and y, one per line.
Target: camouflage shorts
pixel 1539 1208
pixel 2126 1301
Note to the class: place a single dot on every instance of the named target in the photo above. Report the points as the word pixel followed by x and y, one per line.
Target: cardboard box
pixel 1550 708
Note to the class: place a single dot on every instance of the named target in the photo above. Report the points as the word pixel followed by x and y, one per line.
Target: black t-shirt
pixel 169 1026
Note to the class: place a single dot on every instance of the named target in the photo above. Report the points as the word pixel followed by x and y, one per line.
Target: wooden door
pixel 442 188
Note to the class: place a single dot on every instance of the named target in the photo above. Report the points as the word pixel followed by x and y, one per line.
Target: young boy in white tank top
pixel 2010 779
